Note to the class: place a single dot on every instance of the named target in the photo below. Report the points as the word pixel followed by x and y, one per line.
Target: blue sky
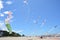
pixel 35 17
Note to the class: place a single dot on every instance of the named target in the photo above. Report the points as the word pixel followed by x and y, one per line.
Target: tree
pixel 5 33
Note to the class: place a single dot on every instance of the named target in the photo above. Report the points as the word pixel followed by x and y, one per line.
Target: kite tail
pixel 9 28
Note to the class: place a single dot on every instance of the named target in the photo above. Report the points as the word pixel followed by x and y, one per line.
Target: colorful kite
pixel 7 22
pixel 9 17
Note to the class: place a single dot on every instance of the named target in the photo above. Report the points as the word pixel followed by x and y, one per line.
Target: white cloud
pixel 5 29
pixel 2 15
pixel 6 12
pixel 1 24
pixel 1 4
pixel 8 2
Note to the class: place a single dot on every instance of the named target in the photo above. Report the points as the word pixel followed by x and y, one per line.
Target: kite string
pixel 28 9
pixel 51 29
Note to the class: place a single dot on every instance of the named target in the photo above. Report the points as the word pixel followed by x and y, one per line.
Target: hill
pixel 5 34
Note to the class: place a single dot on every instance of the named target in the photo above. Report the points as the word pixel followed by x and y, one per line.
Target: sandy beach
pixel 29 38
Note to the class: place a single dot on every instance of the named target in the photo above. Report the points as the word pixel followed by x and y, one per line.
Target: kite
pixel 9 17
pixel 7 20
pixel 36 21
pixel 9 28
pixel 26 2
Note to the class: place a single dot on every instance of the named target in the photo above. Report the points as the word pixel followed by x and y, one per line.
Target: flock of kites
pixel 9 17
